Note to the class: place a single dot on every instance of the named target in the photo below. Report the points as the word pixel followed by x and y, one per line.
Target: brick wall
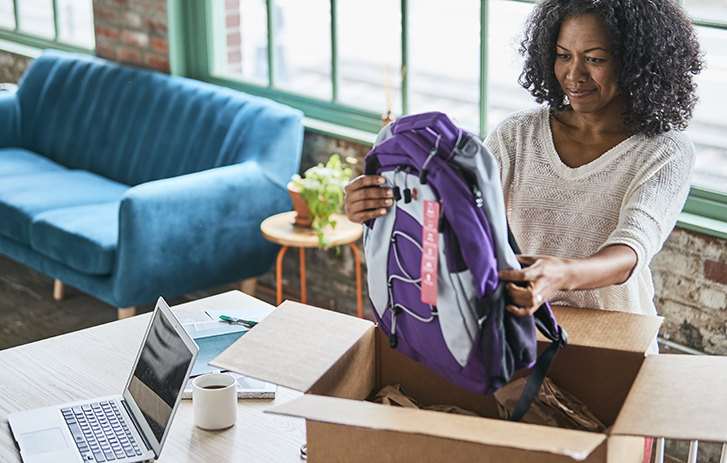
pixel 12 66
pixel 690 278
pixel 132 32
pixel 234 37
pixel 330 275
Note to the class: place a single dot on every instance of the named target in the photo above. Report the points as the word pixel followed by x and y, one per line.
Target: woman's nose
pixel 577 71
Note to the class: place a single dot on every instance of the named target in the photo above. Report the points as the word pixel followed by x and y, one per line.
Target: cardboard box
pixel 339 361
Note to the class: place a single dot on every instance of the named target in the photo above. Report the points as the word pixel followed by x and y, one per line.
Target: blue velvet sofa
pixel 129 184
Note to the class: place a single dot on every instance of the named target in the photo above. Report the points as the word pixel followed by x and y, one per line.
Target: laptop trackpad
pixel 47 440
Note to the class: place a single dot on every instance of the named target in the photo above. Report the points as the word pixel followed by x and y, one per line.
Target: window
pixel 349 62
pixel 48 23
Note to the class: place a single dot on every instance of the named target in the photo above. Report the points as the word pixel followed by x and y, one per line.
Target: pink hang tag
pixel 430 252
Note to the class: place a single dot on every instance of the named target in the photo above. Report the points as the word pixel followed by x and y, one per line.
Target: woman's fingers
pixel 363 181
pixel 528 296
pixel 365 200
pixel 521 311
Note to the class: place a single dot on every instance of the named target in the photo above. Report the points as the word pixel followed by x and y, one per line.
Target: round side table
pixel 280 229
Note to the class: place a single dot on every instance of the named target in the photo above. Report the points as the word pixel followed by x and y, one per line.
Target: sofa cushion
pixel 82 237
pixel 22 197
pixel 19 161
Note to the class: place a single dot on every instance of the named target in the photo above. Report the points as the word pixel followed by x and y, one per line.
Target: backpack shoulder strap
pixel 547 325
pixel 559 339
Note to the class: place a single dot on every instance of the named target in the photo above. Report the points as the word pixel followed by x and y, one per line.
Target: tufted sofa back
pixel 134 126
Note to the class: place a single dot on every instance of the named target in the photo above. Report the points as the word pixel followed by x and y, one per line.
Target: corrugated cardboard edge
pixel 607 329
pixel 677 397
pixel 443 425
pixel 294 346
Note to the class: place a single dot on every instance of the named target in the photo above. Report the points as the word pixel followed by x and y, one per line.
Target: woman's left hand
pixel 542 276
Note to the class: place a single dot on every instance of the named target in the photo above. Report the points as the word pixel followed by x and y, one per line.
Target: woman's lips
pixel 576 94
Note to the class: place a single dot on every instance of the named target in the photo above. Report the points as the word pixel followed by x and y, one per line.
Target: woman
pixel 595 178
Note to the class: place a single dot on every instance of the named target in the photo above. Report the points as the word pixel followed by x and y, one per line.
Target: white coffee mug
pixel 214 401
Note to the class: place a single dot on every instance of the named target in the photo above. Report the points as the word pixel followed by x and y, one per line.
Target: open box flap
pixel 230 300
pixel 677 397
pixel 293 346
pixel 606 329
pixel 575 444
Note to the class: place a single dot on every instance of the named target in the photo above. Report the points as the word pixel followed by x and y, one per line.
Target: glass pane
pixel 444 61
pixel 36 17
pixel 75 22
pixel 241 48
pixel 369 51
pixel 504 94
pixel 303 47
pixel 707 10
pixel 7 14
pixel 708 128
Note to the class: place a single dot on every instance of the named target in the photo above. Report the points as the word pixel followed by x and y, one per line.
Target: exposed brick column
pixel 132 32
pixel 234 37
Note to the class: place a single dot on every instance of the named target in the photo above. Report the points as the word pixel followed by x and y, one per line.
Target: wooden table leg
pixel 303 295
pixel 279 275
pixel 359 295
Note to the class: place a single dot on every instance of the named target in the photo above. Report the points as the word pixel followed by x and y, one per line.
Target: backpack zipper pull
pixel 407 191
pixel 396 190
pixel 423 172
pixel 393 340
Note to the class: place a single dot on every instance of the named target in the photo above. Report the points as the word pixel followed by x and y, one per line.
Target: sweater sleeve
pixel 656 196
pixel 496 145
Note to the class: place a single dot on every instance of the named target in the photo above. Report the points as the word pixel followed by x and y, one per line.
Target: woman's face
pixel 584 66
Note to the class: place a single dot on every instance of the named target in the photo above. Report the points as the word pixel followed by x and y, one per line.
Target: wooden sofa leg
pixel 126 312
pixel 58 290
pixel 248 286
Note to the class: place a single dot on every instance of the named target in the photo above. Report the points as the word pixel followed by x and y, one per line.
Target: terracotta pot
pixel 302 218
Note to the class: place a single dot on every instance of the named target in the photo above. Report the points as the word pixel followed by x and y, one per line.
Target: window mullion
pixel 271 42
pixel 405 56
pixel 334 51
pixel 16 11
pixel 483 67
pixel 55 19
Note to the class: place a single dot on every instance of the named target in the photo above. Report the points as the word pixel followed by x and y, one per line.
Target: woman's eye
pixel 562 56
pixel 596 60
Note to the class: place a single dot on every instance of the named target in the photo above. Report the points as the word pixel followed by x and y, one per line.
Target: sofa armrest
pixel 194 231
pixel 9 120
pixel 269 134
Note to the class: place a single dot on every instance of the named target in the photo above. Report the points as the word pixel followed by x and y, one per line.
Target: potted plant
pixel 321 191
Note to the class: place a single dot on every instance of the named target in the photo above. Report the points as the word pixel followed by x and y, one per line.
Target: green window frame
pixel 705 210
pixel 29 44
pixel 190 55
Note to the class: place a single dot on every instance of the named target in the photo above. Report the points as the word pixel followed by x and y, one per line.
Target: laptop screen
pixel 160 374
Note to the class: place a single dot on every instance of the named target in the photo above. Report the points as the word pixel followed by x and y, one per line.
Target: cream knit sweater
pixel 630 195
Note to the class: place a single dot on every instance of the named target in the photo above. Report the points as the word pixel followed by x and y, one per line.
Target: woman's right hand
pixel 364 199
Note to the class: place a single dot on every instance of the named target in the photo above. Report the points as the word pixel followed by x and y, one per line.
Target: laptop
pixel 130 427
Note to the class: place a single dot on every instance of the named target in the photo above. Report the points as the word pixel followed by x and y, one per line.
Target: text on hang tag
pixel 430 252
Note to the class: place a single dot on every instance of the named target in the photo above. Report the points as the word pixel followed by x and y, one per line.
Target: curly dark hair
pixel 655 51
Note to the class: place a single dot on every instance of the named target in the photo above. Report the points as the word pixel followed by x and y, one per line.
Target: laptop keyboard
pixel 100 432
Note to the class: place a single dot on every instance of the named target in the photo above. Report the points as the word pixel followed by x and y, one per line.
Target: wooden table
pixel 96 362
pixel 280 229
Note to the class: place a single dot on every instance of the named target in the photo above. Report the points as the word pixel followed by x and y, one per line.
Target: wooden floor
pixel 29 313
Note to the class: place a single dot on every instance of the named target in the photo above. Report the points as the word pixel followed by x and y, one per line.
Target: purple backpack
pixel 433 260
